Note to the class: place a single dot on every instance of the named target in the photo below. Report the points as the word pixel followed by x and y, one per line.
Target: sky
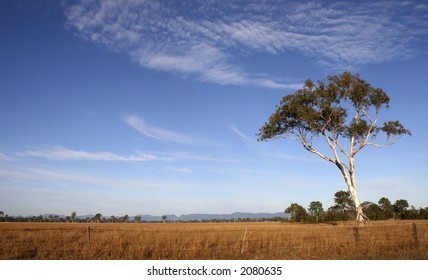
pixel 152 107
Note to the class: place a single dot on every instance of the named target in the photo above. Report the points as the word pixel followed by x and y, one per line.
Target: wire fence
pixel 253 241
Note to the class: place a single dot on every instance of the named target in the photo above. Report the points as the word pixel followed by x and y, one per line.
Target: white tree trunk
pixel 348 171
pixel 350 180
pixel 360 215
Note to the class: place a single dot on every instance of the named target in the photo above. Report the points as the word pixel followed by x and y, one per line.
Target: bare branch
pixel 332 145
pixel 308 147
pixel 369 133
pixel 336 141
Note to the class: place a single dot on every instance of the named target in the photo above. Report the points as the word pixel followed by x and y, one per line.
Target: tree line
pixel 99 218
pixel 72 218
pixel 344 209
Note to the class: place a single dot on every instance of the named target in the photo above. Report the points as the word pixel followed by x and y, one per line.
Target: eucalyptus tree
pixel 97 218
pixel 343 111
pixel 73 216
pixel 386 207
pixel 125 218
pixel 343 201
pixel 298 212
pixel 316 210
pixel 164 218
pixel 400 207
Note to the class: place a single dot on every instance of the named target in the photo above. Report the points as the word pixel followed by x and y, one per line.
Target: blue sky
pixel 152 107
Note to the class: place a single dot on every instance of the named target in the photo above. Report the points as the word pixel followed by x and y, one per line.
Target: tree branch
pixel 336 141
pixel 369 133
pixel 308 147
pixel 332 145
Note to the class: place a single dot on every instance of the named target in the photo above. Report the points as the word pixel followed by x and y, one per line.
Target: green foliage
pixel 400 206
pixel 344 208
pixel 386 207
pixel 324 109
pixel 423 213
pixel 298 212
pixel 316 210
pixel 97 217
pixel 73 216
pixel 344 201
pixel 373 211
pixel 125 218
pixel 411 214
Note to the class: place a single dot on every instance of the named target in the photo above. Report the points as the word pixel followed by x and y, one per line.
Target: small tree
pixel 125 218
pixel 344 207
pixel 386 207
pixel 298 212
pixel 164 218
pixel 345 113
pixel 73 216
pixel 344 201
pixel 373 211
pixel 423 213
pixel 400 207
pixel 315 209
pixel 97 218
pixel 137 219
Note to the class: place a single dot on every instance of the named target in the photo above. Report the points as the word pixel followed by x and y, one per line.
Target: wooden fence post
pixel 357 237
pixel 89 235
pixel 243 240
pixel 415 234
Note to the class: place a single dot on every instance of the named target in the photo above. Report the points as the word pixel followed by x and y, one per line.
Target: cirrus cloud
pixel 162 134
pixel 202 38
pixel 61 153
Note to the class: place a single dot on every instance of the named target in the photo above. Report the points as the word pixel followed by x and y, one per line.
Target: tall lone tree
pixel 344 111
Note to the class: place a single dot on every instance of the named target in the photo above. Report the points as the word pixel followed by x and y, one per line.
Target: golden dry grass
pixel 378 240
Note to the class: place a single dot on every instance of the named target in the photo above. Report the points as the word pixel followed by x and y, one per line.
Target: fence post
pixel 357 237
pixel 243 240
pixel 415 234
pixel 89 235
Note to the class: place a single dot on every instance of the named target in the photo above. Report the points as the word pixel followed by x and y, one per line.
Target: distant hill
pixel 202 217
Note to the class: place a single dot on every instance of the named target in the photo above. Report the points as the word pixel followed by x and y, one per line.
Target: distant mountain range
pixel 199 217
pixel 202 217
pixel 236 215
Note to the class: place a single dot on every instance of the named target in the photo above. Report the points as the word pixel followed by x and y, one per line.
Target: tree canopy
pixel 324 109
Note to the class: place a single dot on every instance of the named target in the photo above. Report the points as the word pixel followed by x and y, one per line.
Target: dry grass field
pixel 376 240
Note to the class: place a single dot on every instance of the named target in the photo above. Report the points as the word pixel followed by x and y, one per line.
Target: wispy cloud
pixel 183 170
pixel 290 157
pixel 202 38
pixel 162 134
pixel 199 157
pixel 44 175
pixel 61 153
pixel 4 157
pixel 238 132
